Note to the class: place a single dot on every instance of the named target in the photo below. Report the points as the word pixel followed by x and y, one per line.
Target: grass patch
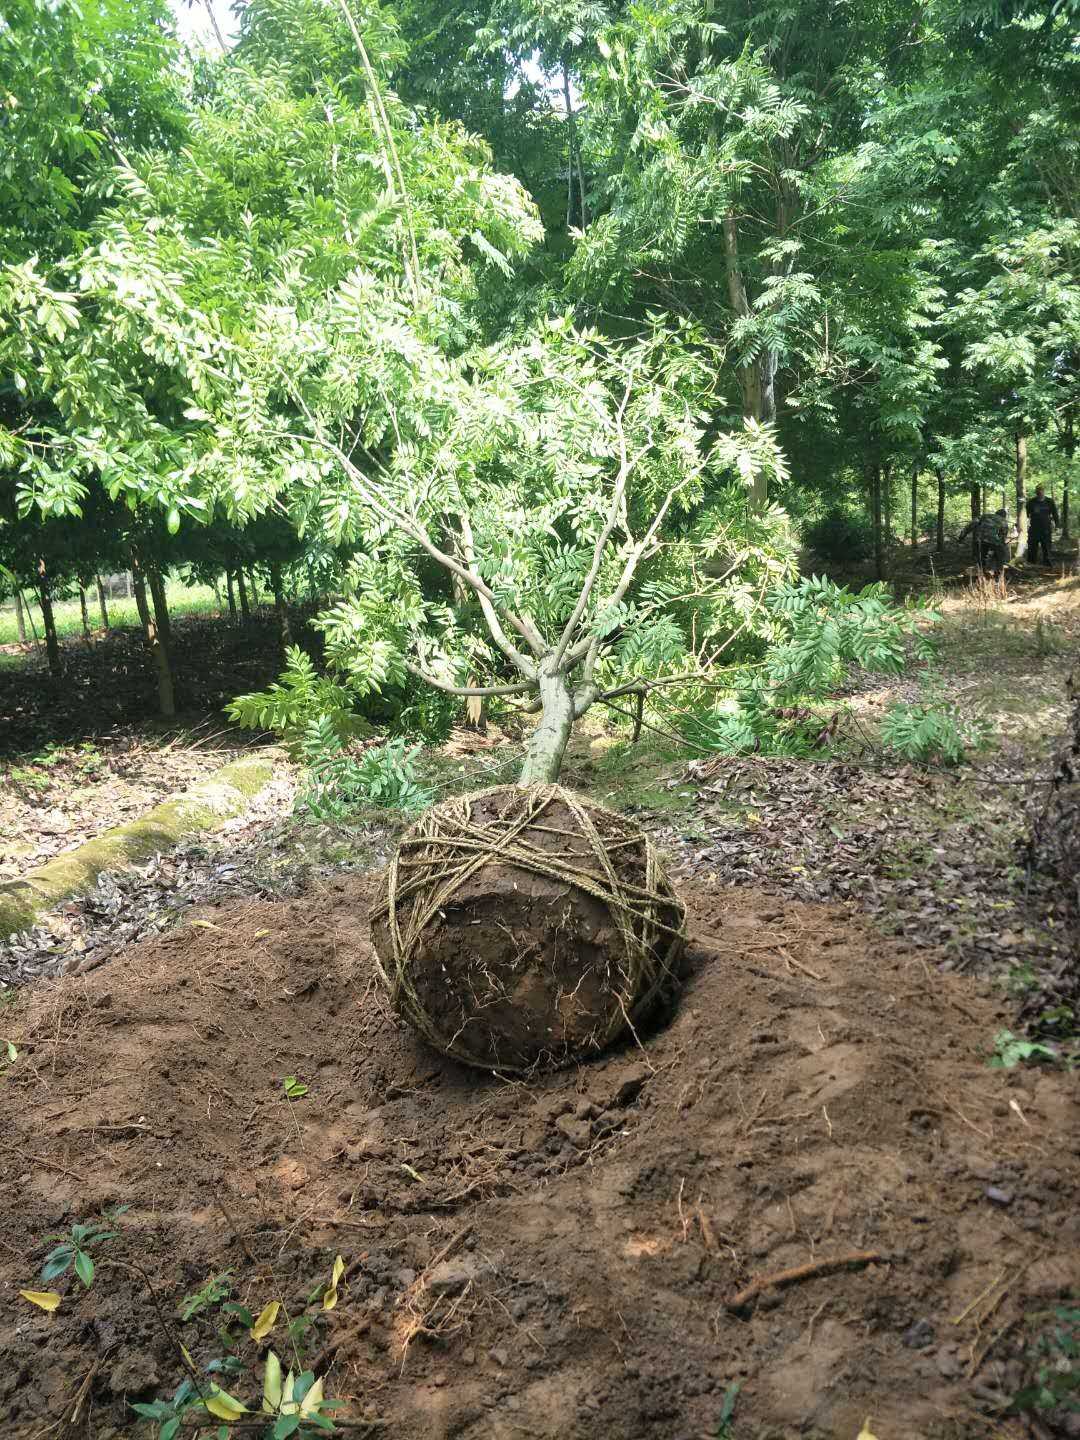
pixel 123 614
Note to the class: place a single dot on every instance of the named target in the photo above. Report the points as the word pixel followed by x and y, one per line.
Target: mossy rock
pixel 205 806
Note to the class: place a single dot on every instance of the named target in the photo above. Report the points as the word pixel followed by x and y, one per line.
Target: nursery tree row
pixel 530 334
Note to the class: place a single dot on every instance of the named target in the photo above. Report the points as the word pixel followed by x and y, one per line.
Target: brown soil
pixel 530 929
pixel 557 1258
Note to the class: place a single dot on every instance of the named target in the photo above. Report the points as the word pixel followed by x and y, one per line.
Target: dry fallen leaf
pixel 43 1299
pixel 866 1433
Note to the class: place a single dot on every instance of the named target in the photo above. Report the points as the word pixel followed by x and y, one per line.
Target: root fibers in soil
pixel 558 1258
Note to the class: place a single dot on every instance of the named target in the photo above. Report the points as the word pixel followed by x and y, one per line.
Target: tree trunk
pixel 875 520
pixel 280 608
pixel 20 618
pixel 1021 495
pixel 85 615
pixel 1065 536
pixel 158 653
pixel 216 27
pixel 217 591
pixel 976 511
pixel 254 589
pixel 887 497
pixel 940 511
pixel 161 610
pixel 52 644
pixel 547 744
pixel 245 610
pixel 140 596
pixel 101 603
pixel 574 158
pixel 914 505
pixel 757 378
pixel 231 595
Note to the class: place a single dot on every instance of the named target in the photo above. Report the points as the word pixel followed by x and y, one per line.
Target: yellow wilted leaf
pixel 223 1405
pixel 866 1433
pixel 205 925
pixel 288 1404
pixel 266 1321
pixel 312 1400
pixel 329 1300
pixel 272 1383
pixel 259 934
pixel 43 1299
pixel 186 1353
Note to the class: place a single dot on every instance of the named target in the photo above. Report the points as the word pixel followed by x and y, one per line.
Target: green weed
pixel 1055 1383
pixel 1011 1050
pixel 216 1289
pixel 73 1251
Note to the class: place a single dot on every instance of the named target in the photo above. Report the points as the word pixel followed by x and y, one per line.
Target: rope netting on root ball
pixel 526 927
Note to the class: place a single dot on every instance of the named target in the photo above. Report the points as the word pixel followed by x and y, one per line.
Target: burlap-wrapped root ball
pixel 526 927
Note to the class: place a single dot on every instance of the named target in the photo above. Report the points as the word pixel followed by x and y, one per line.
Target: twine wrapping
pixel 593 855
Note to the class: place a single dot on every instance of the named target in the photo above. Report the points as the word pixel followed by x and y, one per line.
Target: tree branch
pixel 625 466
pixel 633 560
pixel 466 691
pixel 522 625
pixel 412 527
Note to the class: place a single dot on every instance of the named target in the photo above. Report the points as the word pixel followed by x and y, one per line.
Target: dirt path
pixel 819 1092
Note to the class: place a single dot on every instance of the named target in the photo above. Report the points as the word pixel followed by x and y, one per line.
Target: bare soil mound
pixel 560 1258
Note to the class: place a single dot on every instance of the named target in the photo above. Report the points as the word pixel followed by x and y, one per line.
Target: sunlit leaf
pixel 331 1297
pixel 43 1299
pixel 272 1391
pixel 266 1321
pixel 223 1405
pixel 312 1400
pixel 84 1268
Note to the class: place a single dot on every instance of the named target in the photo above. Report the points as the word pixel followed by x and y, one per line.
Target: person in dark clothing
pixel 991 534
pixel 1042 515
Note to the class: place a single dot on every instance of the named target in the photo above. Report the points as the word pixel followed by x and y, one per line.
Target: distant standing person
pixel 991 534
pixel 1042 515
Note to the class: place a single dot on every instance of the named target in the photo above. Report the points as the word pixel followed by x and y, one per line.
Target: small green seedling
pixel 74 1248
pixel 723 1429
pixel 293 1087
pixel 1011 1050
pixel 216 1289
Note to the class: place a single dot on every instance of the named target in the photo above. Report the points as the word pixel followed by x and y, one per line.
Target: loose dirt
pixel 556 1258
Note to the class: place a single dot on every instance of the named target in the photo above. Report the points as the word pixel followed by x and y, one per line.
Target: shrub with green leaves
pixel 73 1250
pixel 338 780
pixel 290 705
pixel 818 630
pixel 930 732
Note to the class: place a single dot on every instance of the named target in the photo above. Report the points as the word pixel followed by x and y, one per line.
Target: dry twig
pixel 854 1260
